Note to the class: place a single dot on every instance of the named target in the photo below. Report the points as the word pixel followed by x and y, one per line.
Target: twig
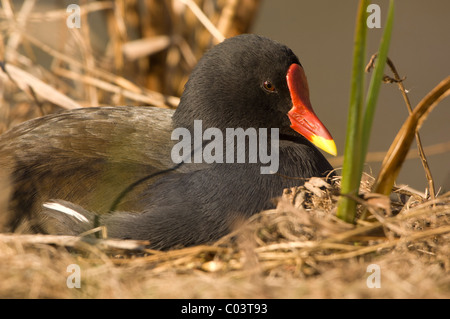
pixel 374 248
pixel 204 19
pixel 81 36
pixel 397 152
pixel 303 244
pixel 15 37
pixel 74 241
pixel 137 49
pixel 399 82
pixel 120 81
pixel 26 81
pixel 151 98
pixel 60 14
pixel 227 16
pixel 418 140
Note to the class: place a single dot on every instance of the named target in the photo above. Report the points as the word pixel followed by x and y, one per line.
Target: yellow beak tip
pixel 327 145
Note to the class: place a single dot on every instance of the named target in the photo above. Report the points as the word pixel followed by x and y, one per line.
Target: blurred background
pixel 321 34
pixel 141 53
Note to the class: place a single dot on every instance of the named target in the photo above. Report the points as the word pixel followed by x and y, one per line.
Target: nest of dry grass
pixel 297 250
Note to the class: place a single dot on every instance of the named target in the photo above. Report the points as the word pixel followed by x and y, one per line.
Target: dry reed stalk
pixel 27 82
pixel 148 97
pixel 58 14
pixel 74 242
pixel 399 148
pixel 159 44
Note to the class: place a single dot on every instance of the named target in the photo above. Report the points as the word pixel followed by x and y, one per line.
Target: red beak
pixel 303 119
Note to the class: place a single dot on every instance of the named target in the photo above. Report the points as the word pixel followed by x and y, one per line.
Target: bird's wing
pixel 86 156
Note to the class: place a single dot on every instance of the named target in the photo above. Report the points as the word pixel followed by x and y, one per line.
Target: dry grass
pixel 124 53
pixel 298 250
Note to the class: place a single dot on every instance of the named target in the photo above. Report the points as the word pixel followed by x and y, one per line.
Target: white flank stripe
pixel 66 210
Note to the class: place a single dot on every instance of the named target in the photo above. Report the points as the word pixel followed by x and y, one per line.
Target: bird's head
pixel 252 81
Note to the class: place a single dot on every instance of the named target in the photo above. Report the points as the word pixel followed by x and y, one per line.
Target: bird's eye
pixel 269 87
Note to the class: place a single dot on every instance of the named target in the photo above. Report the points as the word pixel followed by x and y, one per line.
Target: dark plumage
pixel 84 159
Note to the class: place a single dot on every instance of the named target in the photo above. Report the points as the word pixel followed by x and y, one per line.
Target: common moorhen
pixel 124 167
